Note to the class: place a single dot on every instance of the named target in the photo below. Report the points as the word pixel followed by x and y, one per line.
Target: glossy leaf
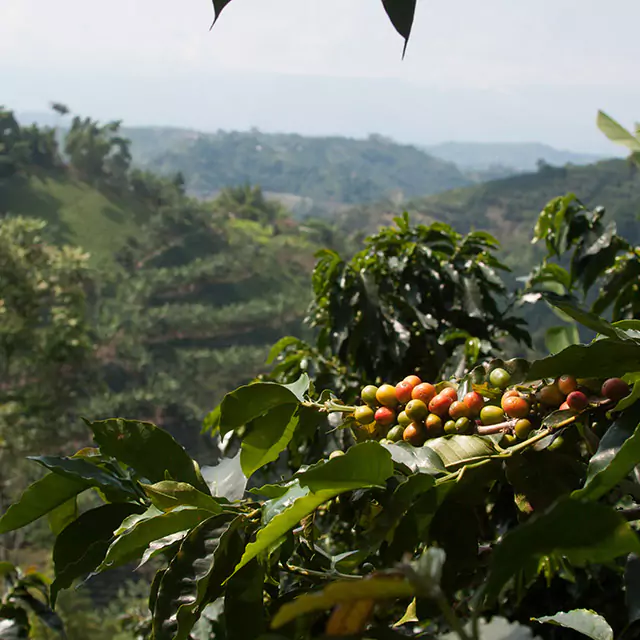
pixel 167 495
pixel 452 450
pixel 365 465
pixel 81 547
pixel 617 455
pixel 583 532
pixel 131 543
pixel 151 451
pixel 203 558
pixel 584 621
pixel 40 498
pixel 268 436
pixel 417 459
pixel 247 403
pixel 379 588
pixel 601 359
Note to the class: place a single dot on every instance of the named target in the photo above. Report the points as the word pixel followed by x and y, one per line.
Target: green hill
pixel 328 170
pixel 78 213
pixel 508 208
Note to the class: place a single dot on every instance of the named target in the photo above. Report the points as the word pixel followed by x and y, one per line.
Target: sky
pixel 475 70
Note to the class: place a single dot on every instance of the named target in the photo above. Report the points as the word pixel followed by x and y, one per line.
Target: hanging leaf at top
pixel 401 14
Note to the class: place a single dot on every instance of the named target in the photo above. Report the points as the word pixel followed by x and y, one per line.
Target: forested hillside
pixel 183 297
pixel 327 170
pixel 509 208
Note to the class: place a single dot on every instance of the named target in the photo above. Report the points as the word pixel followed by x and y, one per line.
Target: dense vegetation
pixel 180 309
pixel 329 171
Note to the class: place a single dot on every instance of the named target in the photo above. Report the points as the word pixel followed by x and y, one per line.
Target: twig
pixel 325 575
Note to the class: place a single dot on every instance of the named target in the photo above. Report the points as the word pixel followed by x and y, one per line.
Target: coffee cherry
pixel 500 378
pixel 416 410
pixel 368 395
pixel 515 407
pixel 511 393
pixel 615 389
pixel 459 409
pixel 386 396
pixel 385 416
pixel 567 384
pixel 424 391
pixel 440 405
pixel 415 434
pixel 509 440
pixel 403 392
pixel 523 428
pixel 403 419
pixel 395 433
pixel 474 401
pixel 450 392
pixel 364 415
pixel 463 425
pixel 490 414
pixel 414 381
pixel 577 401
pixel 565 406
pixel 551 395
pixel 450 427
pixel 336 454
pixel 434 426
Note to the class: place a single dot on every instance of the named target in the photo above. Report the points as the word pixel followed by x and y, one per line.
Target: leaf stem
pixel 325 575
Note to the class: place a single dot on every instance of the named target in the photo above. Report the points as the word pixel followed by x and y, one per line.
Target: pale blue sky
pixel 475 70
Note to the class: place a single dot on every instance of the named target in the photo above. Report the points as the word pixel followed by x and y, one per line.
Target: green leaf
pixel 81 547
pixel 559 338
pixel 617 455
pixel 401 14
pixel 280 346
pixel 40 498
pixel 63 516
pixel 85 471
pixel 603 358
pixel 206 558
pixel 585 621
pixel 380 588
pixel 586 318
pixel 131 543
pixel 244 604
pixel 417 459
pixel 632 587
pixel 167 495
pixel 617 133
pixel 247 403
pixel 452 450
pixel 151 451
pixel 583 532
pixel 365 465
pixel 268 436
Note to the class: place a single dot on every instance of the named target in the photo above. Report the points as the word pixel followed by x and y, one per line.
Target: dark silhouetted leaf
pixel 401 14
pixel 243 604
pixel 632 587
pixel 81 547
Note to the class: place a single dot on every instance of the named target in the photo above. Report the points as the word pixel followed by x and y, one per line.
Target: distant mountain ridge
pixel 517 156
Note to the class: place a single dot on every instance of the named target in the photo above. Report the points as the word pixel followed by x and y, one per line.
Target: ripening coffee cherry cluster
pixel 416 411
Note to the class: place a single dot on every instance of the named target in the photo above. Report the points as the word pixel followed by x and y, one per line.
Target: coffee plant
pixel 511 490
